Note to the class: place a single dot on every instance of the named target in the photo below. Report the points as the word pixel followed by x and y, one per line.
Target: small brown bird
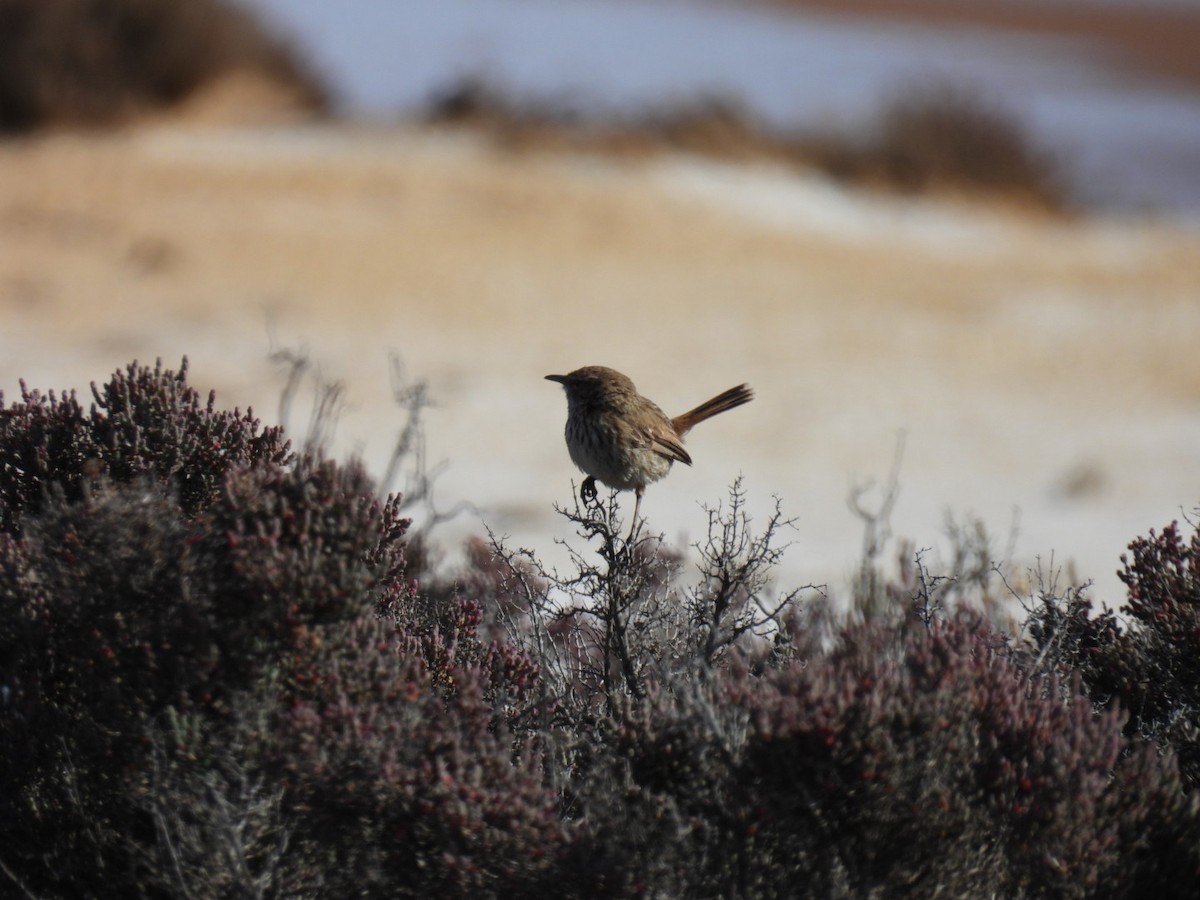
pixel 616 435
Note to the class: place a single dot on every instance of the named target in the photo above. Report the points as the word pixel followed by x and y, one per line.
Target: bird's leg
pixel 587 490
pixel 637 504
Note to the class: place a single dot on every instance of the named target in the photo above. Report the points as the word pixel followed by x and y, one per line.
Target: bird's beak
pixel 561 379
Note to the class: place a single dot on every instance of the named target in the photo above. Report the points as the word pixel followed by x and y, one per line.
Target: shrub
pixel 93 62
pixel 125 626
pixel 1154 667
pixel 144 422
pixel 927 138
pixel 905 756
pixel 898 762
pixel 220 676
pixel 1147 661
pixel 929 760
pixel 402 777
pixel 239 693
pixel 945 136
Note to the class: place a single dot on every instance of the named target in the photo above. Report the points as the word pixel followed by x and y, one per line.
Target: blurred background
pixel 970 228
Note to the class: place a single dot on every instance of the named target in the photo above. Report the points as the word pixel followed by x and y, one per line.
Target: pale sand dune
pixel 1032 363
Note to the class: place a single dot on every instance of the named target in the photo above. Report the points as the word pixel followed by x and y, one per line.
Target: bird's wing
pixel 667 445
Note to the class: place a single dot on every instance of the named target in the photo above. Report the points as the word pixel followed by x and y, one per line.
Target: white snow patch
pixel 792 202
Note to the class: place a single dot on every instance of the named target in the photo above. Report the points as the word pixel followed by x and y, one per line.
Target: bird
pixel 624 440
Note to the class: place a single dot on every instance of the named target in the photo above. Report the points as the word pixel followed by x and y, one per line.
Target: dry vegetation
pixel 101 62
pixel 227 669
pixel 1148 37
pixel 222 673
pixel 933 138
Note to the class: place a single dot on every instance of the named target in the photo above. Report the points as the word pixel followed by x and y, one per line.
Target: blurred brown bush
pixel 98 62
pixel 928 138
pixel 946 137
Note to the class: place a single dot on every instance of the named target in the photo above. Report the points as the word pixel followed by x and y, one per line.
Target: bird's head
pixel 593 384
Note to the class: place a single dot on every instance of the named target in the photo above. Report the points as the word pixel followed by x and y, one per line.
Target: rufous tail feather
pixel 735 396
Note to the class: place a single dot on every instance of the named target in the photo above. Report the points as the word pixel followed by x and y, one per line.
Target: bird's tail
pixel 728 400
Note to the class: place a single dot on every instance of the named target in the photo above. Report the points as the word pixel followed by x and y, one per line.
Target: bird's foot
pixel 587 490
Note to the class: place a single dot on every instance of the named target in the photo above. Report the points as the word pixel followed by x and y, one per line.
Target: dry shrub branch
pixel 223 673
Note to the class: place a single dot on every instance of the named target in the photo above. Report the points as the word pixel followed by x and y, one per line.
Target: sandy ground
pixel 1042 371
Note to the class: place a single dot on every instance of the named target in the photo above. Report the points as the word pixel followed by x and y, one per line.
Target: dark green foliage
pixel 92 62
